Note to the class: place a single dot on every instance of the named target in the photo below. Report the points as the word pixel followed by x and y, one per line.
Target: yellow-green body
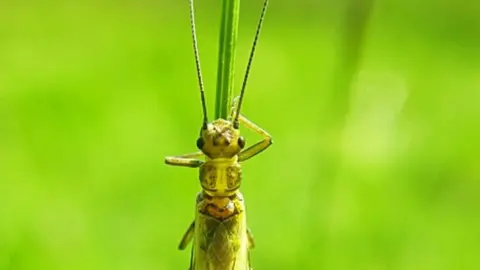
pixel 221 244
pixel 221 238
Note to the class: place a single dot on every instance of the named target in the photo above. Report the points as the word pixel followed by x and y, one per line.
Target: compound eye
pixel 241 142
pixel 200 143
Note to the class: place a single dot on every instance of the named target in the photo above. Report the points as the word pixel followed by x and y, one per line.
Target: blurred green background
pixel 373 106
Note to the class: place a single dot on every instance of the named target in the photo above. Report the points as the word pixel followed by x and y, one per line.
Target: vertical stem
pixel 226 57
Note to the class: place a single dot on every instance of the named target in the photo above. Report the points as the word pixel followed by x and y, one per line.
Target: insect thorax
pixel 220 208
pixel 221 177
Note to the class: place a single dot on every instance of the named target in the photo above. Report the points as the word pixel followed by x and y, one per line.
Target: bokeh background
pixel 374 107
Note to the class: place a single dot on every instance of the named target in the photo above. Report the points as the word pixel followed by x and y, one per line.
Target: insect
pixel 221 238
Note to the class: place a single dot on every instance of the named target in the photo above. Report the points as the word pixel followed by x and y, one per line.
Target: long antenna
pixel 197 63
pixel 250 59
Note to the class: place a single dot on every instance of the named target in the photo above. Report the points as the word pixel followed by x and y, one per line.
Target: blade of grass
pixel 226 57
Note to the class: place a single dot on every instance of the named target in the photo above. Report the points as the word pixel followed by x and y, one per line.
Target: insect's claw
pixel 234 106
pixel 236 100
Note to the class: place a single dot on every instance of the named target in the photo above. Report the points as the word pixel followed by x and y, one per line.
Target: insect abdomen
pixel 221 243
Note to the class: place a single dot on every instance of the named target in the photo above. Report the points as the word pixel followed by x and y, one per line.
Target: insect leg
pixel 233 109
pixel 249 261
pixel 187 237
pixel 191 260
pixel 259 146
pixel 187 160
pixel 251 242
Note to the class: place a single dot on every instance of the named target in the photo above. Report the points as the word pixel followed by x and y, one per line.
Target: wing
pixel 221 245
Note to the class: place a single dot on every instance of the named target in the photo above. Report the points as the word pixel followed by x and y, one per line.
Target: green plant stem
pixel 226 57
